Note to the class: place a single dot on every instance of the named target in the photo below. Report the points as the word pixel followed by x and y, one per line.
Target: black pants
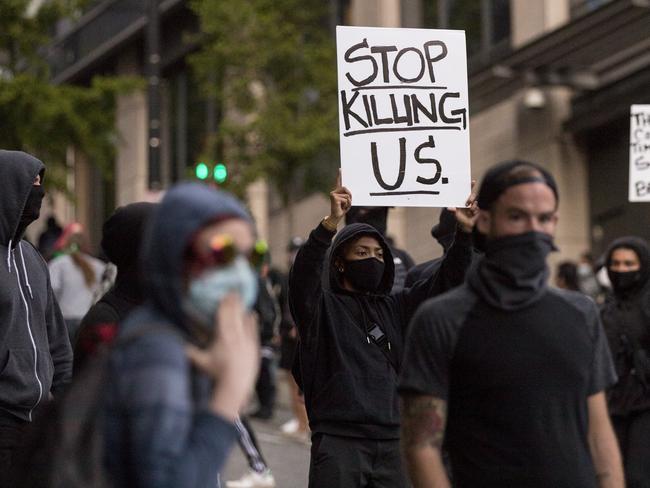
pixel 348 462
pixel 633 433
pixel 265 386
pixel 12 431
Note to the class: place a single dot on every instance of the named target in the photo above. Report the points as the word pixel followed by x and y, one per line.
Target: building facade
pixel 549 81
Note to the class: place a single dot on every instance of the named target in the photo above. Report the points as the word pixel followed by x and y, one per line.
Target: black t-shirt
pixel 516 383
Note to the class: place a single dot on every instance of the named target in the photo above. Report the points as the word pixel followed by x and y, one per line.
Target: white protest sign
pixel 639 153
pixel 404 116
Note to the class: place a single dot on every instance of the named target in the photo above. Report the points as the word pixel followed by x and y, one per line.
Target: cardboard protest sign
pixel 639 153
pixel 404 116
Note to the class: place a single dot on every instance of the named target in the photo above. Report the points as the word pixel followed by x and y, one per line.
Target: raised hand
pixel 340 203
pixel 232 358
pixel 466 217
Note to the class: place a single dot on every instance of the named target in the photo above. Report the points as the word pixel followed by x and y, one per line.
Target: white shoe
pixel 253 480
pixel 289 427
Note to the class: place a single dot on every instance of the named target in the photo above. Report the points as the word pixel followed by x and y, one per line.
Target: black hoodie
pixel 349 383
pixel 35 353
pixel 626 318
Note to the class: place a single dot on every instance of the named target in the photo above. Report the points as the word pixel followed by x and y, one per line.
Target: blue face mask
pixel 207 290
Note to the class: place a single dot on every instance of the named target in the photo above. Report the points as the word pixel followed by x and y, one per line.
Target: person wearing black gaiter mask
pixel 508 372
pixel 351 336
pixel 35 352
pixel 626 318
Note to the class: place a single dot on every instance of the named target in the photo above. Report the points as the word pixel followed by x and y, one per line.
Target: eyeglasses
pixel 223 251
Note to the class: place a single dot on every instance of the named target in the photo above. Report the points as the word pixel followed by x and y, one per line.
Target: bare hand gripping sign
pixel 404 116
pixel 639 153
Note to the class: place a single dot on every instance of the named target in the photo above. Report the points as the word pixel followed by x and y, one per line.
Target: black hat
pixel 123 232
pixel 499 178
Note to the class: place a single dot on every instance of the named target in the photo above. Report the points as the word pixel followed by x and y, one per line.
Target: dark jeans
pixel 349 462
pixel 633 433
pixel 12 431
pixel 265 386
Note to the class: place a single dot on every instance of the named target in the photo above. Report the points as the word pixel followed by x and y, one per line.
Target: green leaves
pixel 45 119
pixel 271 65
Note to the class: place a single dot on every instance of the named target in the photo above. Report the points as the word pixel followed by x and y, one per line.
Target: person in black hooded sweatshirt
pixel 122 235
pixel 626 318
pixel 351 334
pixel 508 372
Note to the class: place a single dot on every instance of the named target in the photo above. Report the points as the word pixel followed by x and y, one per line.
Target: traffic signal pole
pixel 153 86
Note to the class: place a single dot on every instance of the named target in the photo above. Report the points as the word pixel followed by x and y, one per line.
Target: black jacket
pixel 350 386
pixel 35 352
pixel 626 318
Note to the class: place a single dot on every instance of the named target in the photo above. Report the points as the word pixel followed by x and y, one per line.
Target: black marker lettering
pixel 349 59
pixel 384 50
pixel 404 79
pixel 424 145
pixel 402 165
pixel 431 60
pixel 347 110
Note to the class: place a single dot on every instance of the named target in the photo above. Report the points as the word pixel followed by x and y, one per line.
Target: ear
pixel 483 221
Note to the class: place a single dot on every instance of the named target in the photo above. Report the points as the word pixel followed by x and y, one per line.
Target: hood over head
pixel 642 250
pixel 350 233
pixel 445 229
pixel 18 170
pixel 123 232
pixel 185 209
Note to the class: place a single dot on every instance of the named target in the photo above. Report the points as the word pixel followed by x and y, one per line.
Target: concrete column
pixel 257 197
pixel 131 121
pixel 532 19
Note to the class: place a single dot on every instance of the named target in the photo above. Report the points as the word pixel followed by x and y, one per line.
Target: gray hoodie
pixel 35 353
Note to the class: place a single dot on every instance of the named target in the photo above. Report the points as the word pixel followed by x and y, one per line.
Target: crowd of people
pixel 469 370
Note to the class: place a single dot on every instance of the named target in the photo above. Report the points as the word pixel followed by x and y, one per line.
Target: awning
pixel 588 54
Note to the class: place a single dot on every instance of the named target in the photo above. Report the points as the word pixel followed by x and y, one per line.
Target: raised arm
pixel 602 443
pixel 454 264
pixel 305 278
pixel 423 427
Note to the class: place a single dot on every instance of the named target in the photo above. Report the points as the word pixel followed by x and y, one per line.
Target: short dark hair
pixel 510 173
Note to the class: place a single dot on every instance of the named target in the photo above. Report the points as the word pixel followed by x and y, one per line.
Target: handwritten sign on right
pixel 640 153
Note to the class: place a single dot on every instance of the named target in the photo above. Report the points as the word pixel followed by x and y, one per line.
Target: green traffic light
pixel 201 171
pixel 220 173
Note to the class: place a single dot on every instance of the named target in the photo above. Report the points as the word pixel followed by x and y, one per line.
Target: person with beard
pixel 505 371
pixel 122 236
pixel 35 352
pixel 626 317
pixel 351 333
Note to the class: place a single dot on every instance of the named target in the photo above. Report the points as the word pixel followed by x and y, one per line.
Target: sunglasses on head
pixel 223 251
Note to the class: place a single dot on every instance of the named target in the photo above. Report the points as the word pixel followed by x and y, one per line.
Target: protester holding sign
pixel 351 336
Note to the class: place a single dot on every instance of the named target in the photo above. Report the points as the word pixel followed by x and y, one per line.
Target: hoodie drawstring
pixel 9 255
pixel 22 258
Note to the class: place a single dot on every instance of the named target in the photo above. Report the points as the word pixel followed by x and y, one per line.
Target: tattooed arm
pixel 423 428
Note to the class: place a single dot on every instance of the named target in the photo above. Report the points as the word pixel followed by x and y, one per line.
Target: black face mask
pixel 364 274
pixel 31 211
pixel 479 240
pixel 521 254
pixel 623 282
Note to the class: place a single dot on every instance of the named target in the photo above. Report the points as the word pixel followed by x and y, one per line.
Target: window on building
pixel 581 7
pixel 485 22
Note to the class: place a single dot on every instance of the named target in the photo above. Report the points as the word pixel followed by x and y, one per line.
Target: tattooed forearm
pixel 423 421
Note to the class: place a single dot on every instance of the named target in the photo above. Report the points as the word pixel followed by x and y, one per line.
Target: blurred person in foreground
pixel 122 236
pixel 175 391
pixel 351 331
pixel 506 372
pixel 75 276
pixel 35 352
pixel 626 317
pixel 566 276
